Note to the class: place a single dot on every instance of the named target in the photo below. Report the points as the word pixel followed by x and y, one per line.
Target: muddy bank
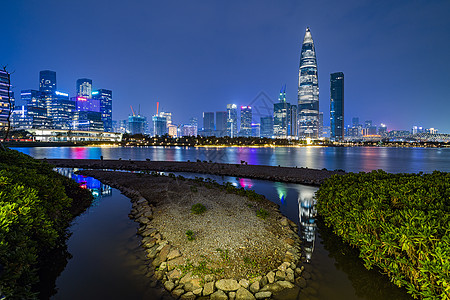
pixel 283 174
pixel 235 251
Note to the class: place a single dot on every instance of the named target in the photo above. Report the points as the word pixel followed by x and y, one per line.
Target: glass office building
pixel 308 90
pixel 337 106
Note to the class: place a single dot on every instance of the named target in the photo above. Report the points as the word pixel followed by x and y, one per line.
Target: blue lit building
pixel 5 108
pixel 63 111
pixel 337 106
pixel 266 127
pixel 208 124
pixel 308 90
pixel 281 118
pixel 246 121
pixel 221 123
pixel 84 88
pixel 105 98
pixel 36 115
pixel 159 125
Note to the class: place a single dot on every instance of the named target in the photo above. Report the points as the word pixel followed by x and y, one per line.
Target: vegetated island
pixel 211 241
pixel 301 175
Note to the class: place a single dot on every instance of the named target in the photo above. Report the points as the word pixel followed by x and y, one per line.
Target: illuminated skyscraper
pixel 84 88
pixel 281 116
pixel 246 121
pixel 337 106
pixel 232 129
pixel 5 108
pixel 105 98
pixel 47 81
pixel 221 123
pixel 267 127
pixel 308 90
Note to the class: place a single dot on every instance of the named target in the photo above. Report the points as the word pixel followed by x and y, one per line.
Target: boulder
pixel 164 252
pixel 174 274
pixel 263 295
pixel 285 284
pixel 244 294
pixel 227 285
pixel 173 263
pixel 188 296
pixel 254 287
pixel 280 275
pixel 219 295
pixel 208 289
pixel 177 292
pixel 244 283
pixel 271 277
pixel 169 285
pixel 174 253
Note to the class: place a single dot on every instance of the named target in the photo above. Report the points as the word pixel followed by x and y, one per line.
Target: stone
pixel 148 232
pixel 156 262
pixel 263 281
pixel 280 275
pixel 263 295
pixel 254 287
pixel 284 222
pixel 192 285
pixel 208 288
pixel 298 271
pixel 289 241
pixel 188 296
pixel 227 285
pixel 271 277
pixel 164 252
pixel 232 295
pixel 151 253
pixel 290 276
pixel 209 278
pixel 143 220
pixel 244 283
pixel 173 263
pixel 148 242
pixel 163 266
pixel 283 267
pixel 219 295
pixel 174 253
pixel 285 284
pixel 169 285
pixel 186 278
pixel 198 291
pixel 148 214
pixel 272 287
pixel 174 274
pixel 177 292
pixel 159 275
pixel 244 294
pixel 161 245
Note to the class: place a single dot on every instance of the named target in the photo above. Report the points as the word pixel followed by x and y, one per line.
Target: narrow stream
pixel 107 262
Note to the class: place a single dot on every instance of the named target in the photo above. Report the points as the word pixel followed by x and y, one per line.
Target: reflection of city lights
pixel 282 191
pixel 245 182
pixel 307 215
pixel 308 141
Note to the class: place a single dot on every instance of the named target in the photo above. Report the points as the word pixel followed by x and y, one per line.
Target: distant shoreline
pixel 306 176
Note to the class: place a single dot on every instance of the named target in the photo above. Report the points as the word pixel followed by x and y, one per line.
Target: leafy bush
pixel 35 210
pixel 262 213
pixel 198 208
pixel 190 235
pixel 399 222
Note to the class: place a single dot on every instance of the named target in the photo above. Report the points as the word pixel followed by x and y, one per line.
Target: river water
pixel 107 259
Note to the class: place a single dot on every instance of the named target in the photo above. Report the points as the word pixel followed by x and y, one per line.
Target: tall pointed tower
pixel 308 90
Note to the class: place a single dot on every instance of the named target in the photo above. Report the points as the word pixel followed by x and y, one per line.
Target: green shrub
pixel 399 222
pixel 262 213
pixel 35 210
pixel 190 235
pixel 194 189
pixel 198 208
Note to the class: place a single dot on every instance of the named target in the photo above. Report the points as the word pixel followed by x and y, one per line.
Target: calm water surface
pixel 350 159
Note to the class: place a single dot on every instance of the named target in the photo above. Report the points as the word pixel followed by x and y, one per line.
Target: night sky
pixel 195 56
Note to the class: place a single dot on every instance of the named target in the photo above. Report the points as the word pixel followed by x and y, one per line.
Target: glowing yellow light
pixel 308 141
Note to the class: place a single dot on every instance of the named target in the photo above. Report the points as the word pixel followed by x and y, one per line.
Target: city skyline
pixel 184 67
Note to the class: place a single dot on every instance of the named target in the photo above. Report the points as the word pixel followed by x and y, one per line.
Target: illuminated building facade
pixel 36 115
pixel 232 129
pixel 208 124
pixel 246 121
pixel 159 125
pixel 105 98
pixel 47 81
pixel 63 111
pixel 337 106
pixel 281 116
pixel 266 127
pixel 84 88
pixel 5 89
pixel 308 90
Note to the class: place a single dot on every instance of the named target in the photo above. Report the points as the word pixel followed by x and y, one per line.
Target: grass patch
pixel 190 235
pixel 198 208
pixel 262 213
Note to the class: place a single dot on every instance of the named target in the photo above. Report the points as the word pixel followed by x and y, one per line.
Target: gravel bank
pixel 233 251
pixel 283 174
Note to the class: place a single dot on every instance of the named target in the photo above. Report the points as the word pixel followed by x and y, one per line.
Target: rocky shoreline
pixel 301 175
pixel 236 251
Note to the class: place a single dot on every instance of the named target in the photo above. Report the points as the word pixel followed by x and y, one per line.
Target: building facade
pixel 246 121
pixel 337 106
pixel 221 123
pixel 105 98
pixel 84 88
pixel 308 90
pixel 5 92
pixel 266 127
pixel 232 128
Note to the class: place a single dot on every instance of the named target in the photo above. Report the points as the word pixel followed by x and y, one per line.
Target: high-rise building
pixel 5 107
pixel 63 111
pixel 36 112
pixel 337 106
pixel 88 121
pixel 208 121
pixel 159 125
pixel 320 124
pixel 221 123
pixel 292 122
pixel 232 129
pixel 267 127
pixel 246 121
pixel 84 88
pixel 256 130
pixel 281 117
pixel 105 98
pixel 308 90
pixel 47 82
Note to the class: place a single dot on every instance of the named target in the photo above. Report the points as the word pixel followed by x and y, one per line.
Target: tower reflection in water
pixel 307 216
pixel 95 186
